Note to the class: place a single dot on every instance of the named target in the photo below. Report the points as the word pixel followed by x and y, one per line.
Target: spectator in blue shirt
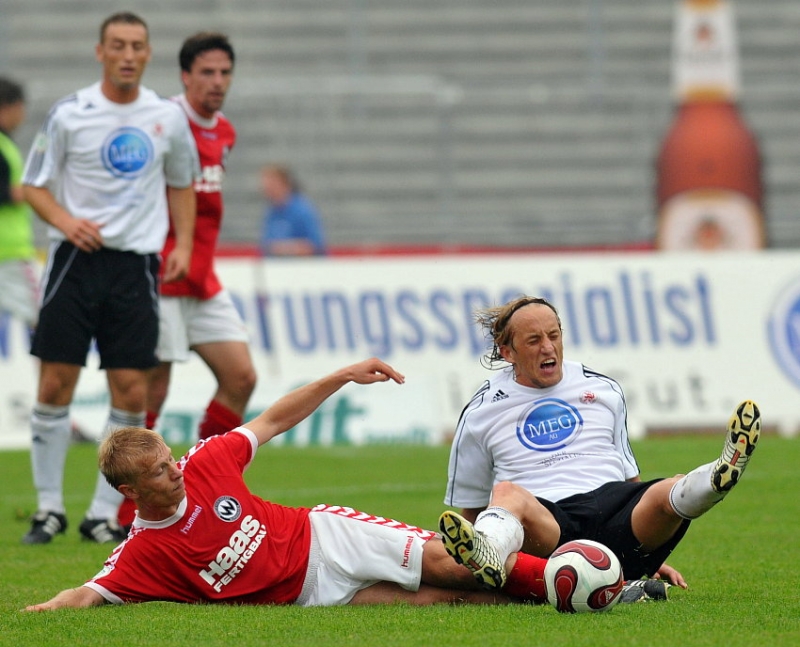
pixel 291 225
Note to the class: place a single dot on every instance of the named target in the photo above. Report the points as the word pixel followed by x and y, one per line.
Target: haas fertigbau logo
pixel 549 424
pixel 126 152
pixel 784 330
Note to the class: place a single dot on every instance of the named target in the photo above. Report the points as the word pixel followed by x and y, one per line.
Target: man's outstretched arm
pixel 77 598
pixel 297 405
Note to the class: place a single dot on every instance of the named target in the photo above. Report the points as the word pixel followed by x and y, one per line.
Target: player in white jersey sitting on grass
pixel 541 457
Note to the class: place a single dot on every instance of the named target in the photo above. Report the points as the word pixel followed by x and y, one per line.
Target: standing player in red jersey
pixel 197 313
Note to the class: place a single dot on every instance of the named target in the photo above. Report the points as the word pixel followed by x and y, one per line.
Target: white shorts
pixel 20 293
pixel 185 322
pixel 352 550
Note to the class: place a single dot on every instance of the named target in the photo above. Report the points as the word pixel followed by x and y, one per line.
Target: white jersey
pixel 110 163
pixel 554 442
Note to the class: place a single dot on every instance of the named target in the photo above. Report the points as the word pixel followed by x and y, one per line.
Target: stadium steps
pixel 476 123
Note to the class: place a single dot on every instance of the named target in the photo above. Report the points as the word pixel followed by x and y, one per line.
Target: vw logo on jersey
pixel 126 152
pixel 548 425
pixel 227 508
pixel 784 330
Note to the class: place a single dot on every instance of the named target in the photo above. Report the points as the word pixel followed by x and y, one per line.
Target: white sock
pixel 50 427
pixel 106 501
pixel 693 495
pixel 502 528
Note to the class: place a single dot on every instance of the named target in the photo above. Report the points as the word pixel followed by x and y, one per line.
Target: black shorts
pixel 604 515
pixel 110 296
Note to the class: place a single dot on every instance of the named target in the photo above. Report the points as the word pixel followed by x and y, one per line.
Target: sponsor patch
pixel 126 152
pixel 227 508
pixel 549 424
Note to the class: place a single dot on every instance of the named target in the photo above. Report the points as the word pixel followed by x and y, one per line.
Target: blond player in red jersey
pixel 201 536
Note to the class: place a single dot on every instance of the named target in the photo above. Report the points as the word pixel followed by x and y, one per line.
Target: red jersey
pixel 224 544
pixel 215 138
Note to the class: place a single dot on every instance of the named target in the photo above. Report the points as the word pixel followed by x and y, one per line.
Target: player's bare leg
pixel 158 380
pixel 542 531
pixel 654 521
pixel 390 593
pixel 232 366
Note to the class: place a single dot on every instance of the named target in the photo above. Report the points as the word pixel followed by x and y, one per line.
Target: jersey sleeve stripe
pixel 36 160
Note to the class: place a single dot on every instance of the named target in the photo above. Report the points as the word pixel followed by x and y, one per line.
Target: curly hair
pixel 495 322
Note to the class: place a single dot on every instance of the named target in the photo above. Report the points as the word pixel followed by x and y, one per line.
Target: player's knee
pixel 240 384
pixel 506 494
pixel 55 389
pixel 656 500
pixel 250 380
pixel 128 389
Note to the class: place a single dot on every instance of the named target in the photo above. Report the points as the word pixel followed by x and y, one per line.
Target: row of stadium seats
pixel 511 123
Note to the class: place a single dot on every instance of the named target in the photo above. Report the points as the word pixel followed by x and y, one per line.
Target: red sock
pixel 526 579
pixel 150 419
pixel 126 512
pixel 218 420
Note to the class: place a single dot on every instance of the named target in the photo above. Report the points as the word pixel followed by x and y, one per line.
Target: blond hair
pixel 121 454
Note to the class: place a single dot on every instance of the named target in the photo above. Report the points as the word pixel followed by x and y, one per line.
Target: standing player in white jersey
pixel 102 171
pixel 197 313
pixel 541 457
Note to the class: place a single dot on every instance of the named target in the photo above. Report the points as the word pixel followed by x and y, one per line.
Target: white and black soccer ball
pixel 583 575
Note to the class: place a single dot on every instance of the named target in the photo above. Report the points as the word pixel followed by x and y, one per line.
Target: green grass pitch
pixel 741 561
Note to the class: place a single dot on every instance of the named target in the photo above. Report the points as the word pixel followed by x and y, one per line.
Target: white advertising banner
pixel 688 336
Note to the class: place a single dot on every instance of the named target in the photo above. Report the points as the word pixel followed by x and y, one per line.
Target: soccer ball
pixel 583 575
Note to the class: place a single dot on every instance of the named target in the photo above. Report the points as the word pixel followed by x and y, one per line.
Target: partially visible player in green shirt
pixel 19 275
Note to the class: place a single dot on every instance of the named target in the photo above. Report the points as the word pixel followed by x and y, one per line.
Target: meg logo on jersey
pixel 549 424
pixel 126 152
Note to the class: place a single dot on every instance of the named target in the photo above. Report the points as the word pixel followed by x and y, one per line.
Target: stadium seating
pixel 455 122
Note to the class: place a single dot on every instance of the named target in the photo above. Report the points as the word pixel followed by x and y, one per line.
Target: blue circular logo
pixel 548 425
pixel 126 152
pixel 783 328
